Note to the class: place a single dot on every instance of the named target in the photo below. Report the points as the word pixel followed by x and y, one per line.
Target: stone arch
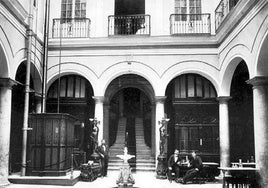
pixel 123 68
pixel 201 68
pixel 228 73
pixel 116 88
pixel 35 73
pixel 143 86
pixel 229 62
pixel 262 57
pixel 73 68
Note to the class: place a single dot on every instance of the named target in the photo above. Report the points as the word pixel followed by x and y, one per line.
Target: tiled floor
pixel 142 180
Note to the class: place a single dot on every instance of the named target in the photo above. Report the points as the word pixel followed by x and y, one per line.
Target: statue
pixel 94 137
pixel 95 132
pixel 163 136
pixel 161 169
pixel 125 178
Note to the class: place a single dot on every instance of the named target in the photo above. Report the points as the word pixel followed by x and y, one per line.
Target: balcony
pixel 222 10
pixel 190 24
pixel 129 25
pixel 71 28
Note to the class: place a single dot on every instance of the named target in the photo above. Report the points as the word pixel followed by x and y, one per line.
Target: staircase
pixel 144 160
pixel 118 147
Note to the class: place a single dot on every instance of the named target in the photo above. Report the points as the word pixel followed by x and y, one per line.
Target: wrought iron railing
pixel 129 25
pixel 190 24
pixel 71 28
pixel 222 10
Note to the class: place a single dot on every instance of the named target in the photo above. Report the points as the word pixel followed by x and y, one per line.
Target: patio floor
pixel 142 180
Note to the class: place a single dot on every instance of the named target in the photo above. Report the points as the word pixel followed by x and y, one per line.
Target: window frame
pixel 196 9
pixel 75 6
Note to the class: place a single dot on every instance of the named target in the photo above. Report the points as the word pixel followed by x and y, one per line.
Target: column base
pixel 4 183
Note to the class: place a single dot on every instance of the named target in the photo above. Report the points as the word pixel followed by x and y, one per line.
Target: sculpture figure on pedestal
pixel 161 169
pixel 125 178
pixel 94 136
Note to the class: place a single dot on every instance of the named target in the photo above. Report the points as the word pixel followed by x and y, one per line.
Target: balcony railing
pixel 71 28
pixel 129 25
pixel 190 24
pixel 222 10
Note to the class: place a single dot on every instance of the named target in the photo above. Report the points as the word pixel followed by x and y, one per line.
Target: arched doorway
pixel 75 99
pixel 130 119
pixel 129 7
pixel 18 97
pixel 193 110
pixel 129 18
pixel 241 116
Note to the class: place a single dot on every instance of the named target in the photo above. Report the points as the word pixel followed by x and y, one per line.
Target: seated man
pixel 195 166
pixel 174 163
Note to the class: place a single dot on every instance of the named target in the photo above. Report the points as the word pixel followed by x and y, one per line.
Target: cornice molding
pixel 8 83
pixel 224 99
pixel 258 81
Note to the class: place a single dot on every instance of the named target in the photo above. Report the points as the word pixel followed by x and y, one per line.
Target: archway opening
pixel 241 116
pixel 193 110
pixel 18 97
pixel 130 119
pixel 75 99
pixel 130 103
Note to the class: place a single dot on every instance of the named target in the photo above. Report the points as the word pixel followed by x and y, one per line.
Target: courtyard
pixel 142 180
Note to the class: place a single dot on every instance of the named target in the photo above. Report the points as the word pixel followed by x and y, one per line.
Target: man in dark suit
pixel 174 164
pixel 195 166
pixel 103 151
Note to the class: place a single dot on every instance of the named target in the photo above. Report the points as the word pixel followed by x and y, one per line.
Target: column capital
pixel 8 82
pixel 99 99
pixel 224 99
pixel 160 99
pixel 258 81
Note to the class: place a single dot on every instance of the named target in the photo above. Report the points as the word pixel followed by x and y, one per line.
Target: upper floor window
pixel 184 7
pixel 73 9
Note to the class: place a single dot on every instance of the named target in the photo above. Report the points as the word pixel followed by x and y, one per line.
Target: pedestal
pixel 125 179
pixel 161 170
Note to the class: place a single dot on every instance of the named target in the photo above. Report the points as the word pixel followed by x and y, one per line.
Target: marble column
pixel 106 118
pixel 99 114
pixel 159 114
pixel 260 107
pixel 5 125
pixel 224 131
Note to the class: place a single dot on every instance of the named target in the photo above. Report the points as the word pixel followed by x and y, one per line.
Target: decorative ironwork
pixel 190 24
pixel 129 25
pixel 71 28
